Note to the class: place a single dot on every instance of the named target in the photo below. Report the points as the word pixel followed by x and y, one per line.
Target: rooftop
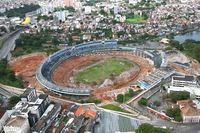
pixel 90 114
pixel 184 78
pixel 80 111
pixel 17 121
pixel 188 108
pixel 26 92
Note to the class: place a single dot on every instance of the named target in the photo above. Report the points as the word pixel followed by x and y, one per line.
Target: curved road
pixel 9 45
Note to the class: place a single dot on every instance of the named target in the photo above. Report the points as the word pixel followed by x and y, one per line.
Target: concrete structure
pixel 25 113
pixel 185 83
pixel 47 67
pixel 17 124
pixel 134 1
pixel 70 3
pixel 189 111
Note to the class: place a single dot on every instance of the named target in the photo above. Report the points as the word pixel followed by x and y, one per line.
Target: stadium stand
pixel 49 65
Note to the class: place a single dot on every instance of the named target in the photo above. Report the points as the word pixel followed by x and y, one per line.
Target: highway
pixel 18 91
pixel 8 45
pixel 5 93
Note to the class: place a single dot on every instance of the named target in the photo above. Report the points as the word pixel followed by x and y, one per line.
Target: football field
pixel 104 70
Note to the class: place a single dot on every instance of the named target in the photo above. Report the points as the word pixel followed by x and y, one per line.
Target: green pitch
pixel 104 70
pixel 136 19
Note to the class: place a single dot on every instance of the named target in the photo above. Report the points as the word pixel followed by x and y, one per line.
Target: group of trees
pixel 125 97
pixel 21 11
pixel 190 47
pixel 96 101
pixel 28 43
pixel 69 8
pixel 143 102
pixel 148 128
pixel 12 101
pixel 44 17
pixel 8 77
pixel 174 113
pixel 175 96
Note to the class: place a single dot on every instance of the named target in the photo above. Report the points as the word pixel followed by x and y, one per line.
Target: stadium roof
pixel 26 21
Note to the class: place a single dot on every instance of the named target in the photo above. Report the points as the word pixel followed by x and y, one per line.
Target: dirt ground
pixel 62 74
pixel 25 67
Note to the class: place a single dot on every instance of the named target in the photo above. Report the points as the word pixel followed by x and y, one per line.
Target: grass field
pixel 103 70
pixel 114 107
pixel 136 19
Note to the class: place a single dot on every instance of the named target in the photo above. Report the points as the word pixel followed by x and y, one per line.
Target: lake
pixel 194 35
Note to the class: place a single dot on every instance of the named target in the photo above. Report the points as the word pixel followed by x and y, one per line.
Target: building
pixel 60 15
pixel 134 1
pixel 185 83
pixel 29 95
pixel 190 111
pixel 70 3
pixel 29 109
pixel 47 118
pixel 17 124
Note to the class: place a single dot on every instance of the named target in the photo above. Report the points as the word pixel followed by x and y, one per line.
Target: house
pixel 190 112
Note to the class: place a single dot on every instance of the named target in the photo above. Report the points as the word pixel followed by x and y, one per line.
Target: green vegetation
pixel 65 119
pixel 157 103
pixel 21 11
pixel 125 97
pixel 96 101
pixel 143 102
pixel 175 96
pixel 189 47
pixel 8 77
pixel 12 101
pixel 93 2
pixel 40 42
pixel 174 113
pixel 114 107
pixel 136 19
pixel 44 17
pixel 120 98
pixel 148 128
pixel 139 39
pixel 105 69
pixel 133 19
pixel 70 9
pixel 108 33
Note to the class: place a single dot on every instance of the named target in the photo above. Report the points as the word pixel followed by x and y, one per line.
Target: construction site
pixel 25 67
pixel 63 74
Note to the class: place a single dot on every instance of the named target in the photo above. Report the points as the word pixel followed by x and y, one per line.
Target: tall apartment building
pixel 185 83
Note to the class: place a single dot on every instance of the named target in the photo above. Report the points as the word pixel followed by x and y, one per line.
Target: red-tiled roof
pixel 81 110
pixel 90 114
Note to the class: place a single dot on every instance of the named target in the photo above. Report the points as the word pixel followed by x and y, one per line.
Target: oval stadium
pixel 91 66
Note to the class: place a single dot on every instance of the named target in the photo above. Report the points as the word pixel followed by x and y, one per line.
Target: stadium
pixel 66 71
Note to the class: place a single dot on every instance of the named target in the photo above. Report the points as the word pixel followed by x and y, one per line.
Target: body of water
pixel 194 35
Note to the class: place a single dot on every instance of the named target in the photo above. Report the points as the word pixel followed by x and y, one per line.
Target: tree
pixel 131 92
pixel 174 113
pixel 143 101
pixel 148 128
pixel 12 101
pixel 157 103
pixel 120 98
pixel 175 96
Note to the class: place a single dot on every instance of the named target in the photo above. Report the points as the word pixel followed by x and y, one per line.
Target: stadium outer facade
pixel 47 67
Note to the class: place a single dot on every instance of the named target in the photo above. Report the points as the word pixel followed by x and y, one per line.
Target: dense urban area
pixel 99 66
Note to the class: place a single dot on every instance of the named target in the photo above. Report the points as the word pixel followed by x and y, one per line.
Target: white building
pixel 134 1
pixel 88 10
pixel 185 83
pixel 60 15
pixel 17 124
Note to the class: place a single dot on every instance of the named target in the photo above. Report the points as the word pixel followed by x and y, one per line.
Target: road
pixel 8 46
pixel 19 91
pixel 5 93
